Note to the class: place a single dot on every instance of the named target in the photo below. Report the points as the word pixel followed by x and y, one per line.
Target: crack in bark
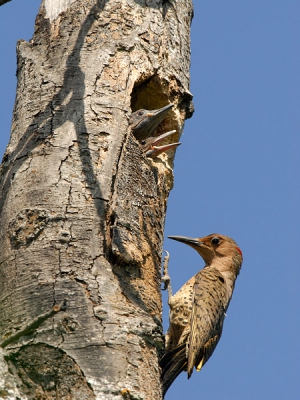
pixel 110 216
pixel 62 161
pixel 35 323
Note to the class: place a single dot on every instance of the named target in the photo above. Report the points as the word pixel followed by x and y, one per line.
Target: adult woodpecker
pixel 197 310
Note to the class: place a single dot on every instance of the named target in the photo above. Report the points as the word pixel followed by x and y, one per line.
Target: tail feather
pixel 172 364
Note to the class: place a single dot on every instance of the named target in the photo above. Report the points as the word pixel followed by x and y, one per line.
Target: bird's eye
pixel 141 113
pixel 215 240
pixel 143 142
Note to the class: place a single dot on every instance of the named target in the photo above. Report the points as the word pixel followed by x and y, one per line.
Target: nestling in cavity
pixel 143 124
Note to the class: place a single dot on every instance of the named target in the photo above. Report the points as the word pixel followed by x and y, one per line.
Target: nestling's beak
pixel 150 145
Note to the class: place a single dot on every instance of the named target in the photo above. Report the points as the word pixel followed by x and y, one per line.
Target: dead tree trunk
pixel 82 208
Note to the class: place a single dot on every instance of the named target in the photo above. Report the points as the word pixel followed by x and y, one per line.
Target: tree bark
pixel 82 208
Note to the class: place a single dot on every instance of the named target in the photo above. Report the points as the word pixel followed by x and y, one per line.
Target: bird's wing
pixel 208 313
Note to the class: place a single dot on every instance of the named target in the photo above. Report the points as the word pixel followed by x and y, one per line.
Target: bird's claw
pixel 166 281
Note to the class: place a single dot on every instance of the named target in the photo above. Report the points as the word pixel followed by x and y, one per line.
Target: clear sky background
pixel 237 173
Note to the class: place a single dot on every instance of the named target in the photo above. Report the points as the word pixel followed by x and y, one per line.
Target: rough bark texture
pixel 82 209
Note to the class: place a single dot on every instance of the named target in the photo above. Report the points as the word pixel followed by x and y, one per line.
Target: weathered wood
pixel 82 208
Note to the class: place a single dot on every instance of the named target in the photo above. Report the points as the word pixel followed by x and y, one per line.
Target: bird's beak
pixel 194 242
pixel 197 244
pixel 156 140
pixel 161 112
pixel 156 150
pixel 156 116
pixel 152 150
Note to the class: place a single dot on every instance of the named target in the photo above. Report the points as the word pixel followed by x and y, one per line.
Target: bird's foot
pixel 166 279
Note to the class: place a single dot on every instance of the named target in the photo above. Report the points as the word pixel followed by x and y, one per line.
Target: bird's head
pixel 144 122
pixel 214 246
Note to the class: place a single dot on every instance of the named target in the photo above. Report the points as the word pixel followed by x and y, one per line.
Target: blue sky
pixel 237 173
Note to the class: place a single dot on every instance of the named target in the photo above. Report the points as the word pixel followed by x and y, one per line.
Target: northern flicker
pixel 151 148
pixel 144 122
pixel 198 309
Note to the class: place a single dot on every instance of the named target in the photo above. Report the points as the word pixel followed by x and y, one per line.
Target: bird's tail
pixel 172 364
